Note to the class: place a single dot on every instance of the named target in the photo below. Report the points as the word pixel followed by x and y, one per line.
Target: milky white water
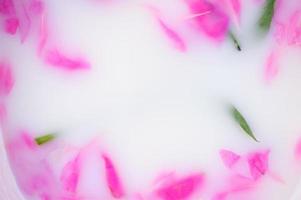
pixel 153 108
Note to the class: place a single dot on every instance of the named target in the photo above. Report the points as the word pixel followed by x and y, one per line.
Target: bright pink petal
pixel 7 7
pixel 64 62
pixel 11 25
pixel 113 180
pixel 214 24
pixel 258 164
pixel 181 189
pixel 173 36
pixel 70 175
pixel 229 158
pixel 6 79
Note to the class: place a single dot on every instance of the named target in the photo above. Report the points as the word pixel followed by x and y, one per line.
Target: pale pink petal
pixel 176 39
pixel 280 32
pixel 44 33
pixel 33 173
pixel 2 113
pixel 11 25
pixel 181 189
pixel 57 59
pixel 113 180
pixel 258 164
pixel 294 29
pixel 6 79
pixel 229 158
pixel 298 150
pixel 214 24
pixel 233 8
pixel 271 68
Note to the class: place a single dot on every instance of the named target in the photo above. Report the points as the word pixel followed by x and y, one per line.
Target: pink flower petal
pixel 7 7
pixel 271 67
pixel 58 59
pixel 177 40
pixel 33 173
pixel 113 180
pixel 70 175
pixel 214 24
pixel 298 150
pixel 181 189
pixel 233 7
pixel 229 158
pixel 258 164
pixel 294 29
pixel 11 25
pixel 6 79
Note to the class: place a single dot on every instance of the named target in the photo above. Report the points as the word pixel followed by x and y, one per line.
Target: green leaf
pixel 239 118
pixel 265 20
pixel 44 139
pixel 234 40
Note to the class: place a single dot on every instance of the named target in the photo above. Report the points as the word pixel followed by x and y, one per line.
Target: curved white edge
pixel 8 186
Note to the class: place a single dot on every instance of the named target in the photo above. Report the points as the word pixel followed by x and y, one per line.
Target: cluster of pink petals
pixel 246 171
pixel 36 174
pixel 256 163
pixel 30 16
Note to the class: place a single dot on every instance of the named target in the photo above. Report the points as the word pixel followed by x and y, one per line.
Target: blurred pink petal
pixel 57 59
pixel 6 78
pixel 181 189
pixel 214 24
pixel 11 25
pixel 176 39
pixel 229 158
pixel 258 164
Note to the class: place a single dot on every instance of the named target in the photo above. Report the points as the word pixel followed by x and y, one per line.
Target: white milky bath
pixel 152 100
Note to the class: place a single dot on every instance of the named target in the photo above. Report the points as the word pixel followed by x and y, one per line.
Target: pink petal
pixel 214 24
pixel 233 7
pixel 11 25
pixel 2 113
pixel 70 175
pixel 181 189
pixel 58 59
pixel 271 67
pixel 6 79
pixel 258 164
pixel 298 150
pixel 43 35
pixel 113 180
pixel 33 173
pixel 173 36
pixel 7 7
pixel 229 158
pixel 294 29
